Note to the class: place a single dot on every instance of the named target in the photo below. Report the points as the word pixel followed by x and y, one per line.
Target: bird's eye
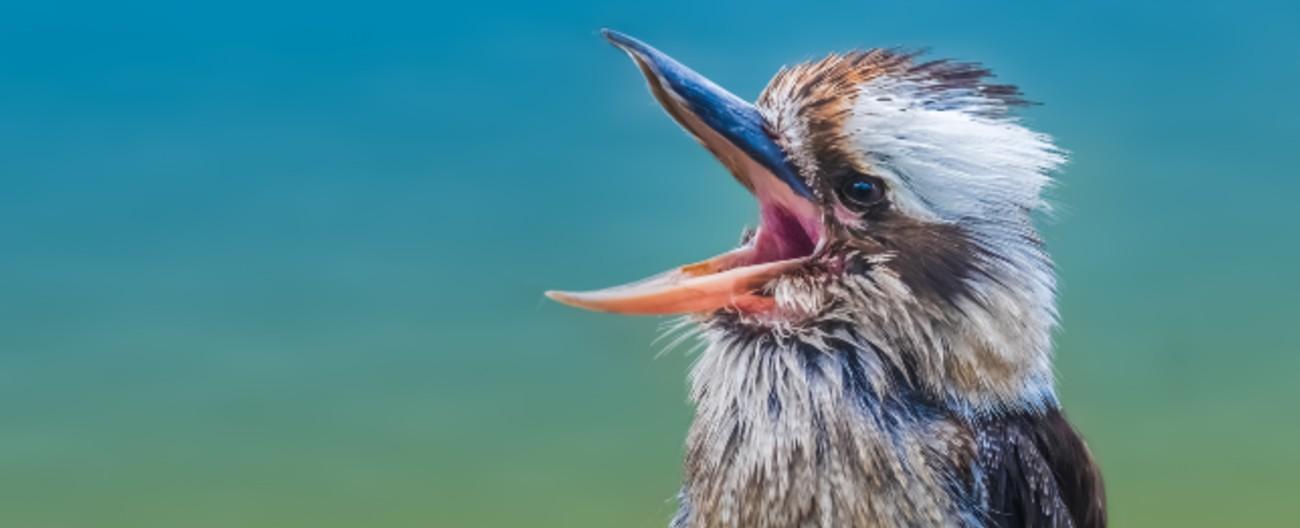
pixel 862 191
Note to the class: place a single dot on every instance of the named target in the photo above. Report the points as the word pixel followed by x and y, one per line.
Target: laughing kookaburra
pixel 878 351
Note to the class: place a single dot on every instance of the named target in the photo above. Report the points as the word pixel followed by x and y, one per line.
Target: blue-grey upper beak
pixel 693 100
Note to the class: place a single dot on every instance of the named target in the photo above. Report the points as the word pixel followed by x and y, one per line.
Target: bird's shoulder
pixel 1039 473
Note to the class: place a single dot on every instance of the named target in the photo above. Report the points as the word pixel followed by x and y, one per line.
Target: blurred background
pixel 281 264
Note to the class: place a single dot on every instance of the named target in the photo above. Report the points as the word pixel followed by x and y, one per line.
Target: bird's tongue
pixel 783 242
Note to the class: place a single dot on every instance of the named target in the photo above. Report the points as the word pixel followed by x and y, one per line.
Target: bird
pixel 878 351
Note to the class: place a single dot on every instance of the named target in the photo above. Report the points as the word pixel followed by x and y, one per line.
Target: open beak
pixel 737 134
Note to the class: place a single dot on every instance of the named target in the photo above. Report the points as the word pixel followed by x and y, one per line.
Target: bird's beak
pixel 739 136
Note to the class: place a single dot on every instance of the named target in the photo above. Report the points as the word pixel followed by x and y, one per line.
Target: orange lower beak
pixel 736 133
pixel 701 287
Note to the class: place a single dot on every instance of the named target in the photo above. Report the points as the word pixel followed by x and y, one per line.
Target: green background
pixel 281 264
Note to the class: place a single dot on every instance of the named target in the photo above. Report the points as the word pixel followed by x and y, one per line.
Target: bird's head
pixel 895 199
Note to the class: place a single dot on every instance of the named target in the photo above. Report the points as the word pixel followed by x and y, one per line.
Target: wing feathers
pixel 1040 474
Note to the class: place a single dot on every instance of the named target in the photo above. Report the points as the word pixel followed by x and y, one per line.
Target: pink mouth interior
pixel 783 235
pixel 789 233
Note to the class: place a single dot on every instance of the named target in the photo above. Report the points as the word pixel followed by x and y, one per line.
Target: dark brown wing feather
pixel 1040 474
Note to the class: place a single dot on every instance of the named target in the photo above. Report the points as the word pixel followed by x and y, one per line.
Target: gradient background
pixel 280 265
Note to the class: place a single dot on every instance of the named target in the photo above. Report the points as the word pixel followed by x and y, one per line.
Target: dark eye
pixel 862 191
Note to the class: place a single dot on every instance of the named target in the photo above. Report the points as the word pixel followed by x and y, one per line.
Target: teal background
pixel 281 264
